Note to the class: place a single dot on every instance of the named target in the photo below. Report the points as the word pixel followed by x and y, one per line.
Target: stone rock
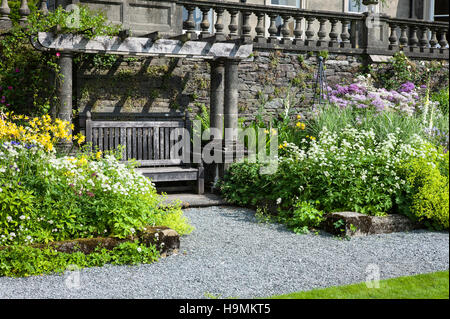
pixel 356 224
pixel 166 240
pixel 337 62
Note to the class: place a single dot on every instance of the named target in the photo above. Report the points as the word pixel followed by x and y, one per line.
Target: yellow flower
pixel 299 117
pixel 301 125
pixel 274 131
pixel 266 132
pixel 82 161
pixel 98 155
pixel 281 146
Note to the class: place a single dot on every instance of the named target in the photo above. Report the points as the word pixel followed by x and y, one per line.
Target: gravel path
pixel 231 255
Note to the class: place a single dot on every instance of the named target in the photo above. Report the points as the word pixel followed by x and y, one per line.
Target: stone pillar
pixel 216 115
pixel 375 29
pixel 217 95
pixel 231 109
pixel 64 89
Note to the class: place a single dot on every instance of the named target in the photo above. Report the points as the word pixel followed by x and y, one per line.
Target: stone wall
pixel 139 88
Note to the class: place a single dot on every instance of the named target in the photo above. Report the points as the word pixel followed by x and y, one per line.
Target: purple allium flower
pixel 407 87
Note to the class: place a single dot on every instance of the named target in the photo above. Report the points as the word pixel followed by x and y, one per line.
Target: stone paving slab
pixel 194 200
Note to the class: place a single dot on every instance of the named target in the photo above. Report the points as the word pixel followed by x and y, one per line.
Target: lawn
pixel 425 286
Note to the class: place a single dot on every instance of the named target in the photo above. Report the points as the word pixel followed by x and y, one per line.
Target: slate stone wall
pixel 139 87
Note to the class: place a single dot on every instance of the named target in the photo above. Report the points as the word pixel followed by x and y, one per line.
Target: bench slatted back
pixel 146 141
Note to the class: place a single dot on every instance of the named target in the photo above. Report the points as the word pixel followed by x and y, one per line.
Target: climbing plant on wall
pixel 28 76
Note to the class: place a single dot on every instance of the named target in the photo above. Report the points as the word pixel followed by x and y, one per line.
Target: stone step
pixel 194 200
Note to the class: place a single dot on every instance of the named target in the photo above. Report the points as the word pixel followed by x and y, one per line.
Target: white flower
pixel 9 218
pixel 22 217
pixel 139 249
pixel 278 201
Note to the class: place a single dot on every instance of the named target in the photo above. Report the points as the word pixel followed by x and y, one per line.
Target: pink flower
pixel 17 70
pixel 10 87
pixel 58 54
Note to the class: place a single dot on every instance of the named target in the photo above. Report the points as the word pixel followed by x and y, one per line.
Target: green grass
pixel 426 286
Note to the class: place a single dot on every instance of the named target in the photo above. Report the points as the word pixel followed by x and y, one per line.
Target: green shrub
pixel 442 97
pixel 428 191
pixel 48 198
pixel 302 217
pixel 245 185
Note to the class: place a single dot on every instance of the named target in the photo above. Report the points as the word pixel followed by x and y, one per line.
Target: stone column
pixel 375 29
pixel 216 115
pixel 64 89
pixel 231 109
pixel 217 96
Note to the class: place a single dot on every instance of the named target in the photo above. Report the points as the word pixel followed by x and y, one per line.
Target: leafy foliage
pixel 27 76
pixel 24 261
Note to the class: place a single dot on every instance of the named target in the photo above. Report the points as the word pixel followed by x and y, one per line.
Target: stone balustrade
pixel 277 27
pixel 418 37
pixel 299 29
pixel 24 12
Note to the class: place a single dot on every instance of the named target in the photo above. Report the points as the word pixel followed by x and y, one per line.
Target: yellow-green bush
pixel 429 183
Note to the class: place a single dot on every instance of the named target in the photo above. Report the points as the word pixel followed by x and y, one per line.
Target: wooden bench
pixel 149 143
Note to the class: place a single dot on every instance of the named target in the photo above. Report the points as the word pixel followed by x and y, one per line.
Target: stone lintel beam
pixel 144 46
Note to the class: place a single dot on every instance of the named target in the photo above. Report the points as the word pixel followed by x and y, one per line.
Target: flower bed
pixel 47 197
pixel 370 150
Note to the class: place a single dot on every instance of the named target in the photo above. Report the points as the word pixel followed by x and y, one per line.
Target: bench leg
pixel 201 181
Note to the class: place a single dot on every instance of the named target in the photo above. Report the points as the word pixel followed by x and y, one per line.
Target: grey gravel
pixel 230 254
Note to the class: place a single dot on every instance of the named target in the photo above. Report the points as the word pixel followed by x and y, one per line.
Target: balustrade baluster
pixel 423 40
pixel 204 25
pixel 333 34
pixel 443 41
pixel 220 35
pixel 43 8
pixel 298 32
pixel 393 41
pixel 260 36
pixel 273 28
pixel 24 12
pixel 310 32
pixel 413 41
pixel 5 21
pixel 233 26
pixel 433 41
pixel 285 30
pixel 189 24
pixel 246 27
pixel 322 34
pixel 345 35
pixel 404 36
